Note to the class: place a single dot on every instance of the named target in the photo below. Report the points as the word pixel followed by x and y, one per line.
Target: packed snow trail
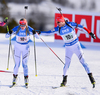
pixel 49 71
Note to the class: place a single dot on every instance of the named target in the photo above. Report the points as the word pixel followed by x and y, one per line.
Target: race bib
pixel 22 39
pixel 68 37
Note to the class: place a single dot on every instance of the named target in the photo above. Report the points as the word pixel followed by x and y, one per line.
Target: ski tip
pixel 36 75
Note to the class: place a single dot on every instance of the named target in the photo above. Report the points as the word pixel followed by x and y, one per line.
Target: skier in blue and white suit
pixel 66 30
pixel 21 47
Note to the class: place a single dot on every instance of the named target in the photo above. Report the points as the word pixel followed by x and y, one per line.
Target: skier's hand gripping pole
pixel 90 33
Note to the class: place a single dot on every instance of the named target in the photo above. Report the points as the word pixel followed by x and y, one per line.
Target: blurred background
pixel 40 13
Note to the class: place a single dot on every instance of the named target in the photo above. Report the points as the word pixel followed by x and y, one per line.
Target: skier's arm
pixel 33 32
pixel 50 32
pixel 75 25
pixel 11 32
pixel 90 33
pixel 87 30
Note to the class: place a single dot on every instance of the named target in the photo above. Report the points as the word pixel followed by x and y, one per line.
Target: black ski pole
pixel 59 9
pixel 26 7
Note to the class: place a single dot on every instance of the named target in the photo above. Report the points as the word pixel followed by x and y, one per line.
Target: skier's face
pixel 60 24
pixel 23 27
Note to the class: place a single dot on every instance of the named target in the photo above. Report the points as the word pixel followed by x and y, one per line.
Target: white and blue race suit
pixel 72 44
pixel 21 47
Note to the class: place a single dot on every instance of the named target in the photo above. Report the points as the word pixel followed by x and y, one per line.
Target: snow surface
pixel 49 70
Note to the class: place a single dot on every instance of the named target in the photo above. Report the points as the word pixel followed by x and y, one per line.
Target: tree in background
pixel 4 12
pixel 31 23
pixel 4 9
pixel 37 20
pixel 92 5
pixel 83 4
pixel 62 2
pixel 12 23
pixel 24 1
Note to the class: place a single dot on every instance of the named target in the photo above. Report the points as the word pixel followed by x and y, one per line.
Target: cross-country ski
pixel 13 85
pixel 55 87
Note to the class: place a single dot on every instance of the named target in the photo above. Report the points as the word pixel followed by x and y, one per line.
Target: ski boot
pixel 14 81
pixel 91 79
pixel 64 81
pixel 26 81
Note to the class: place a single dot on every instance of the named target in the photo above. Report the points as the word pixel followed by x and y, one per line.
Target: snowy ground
pixel 49 70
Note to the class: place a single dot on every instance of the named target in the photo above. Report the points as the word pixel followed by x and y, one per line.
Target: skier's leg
pixel 26 80
pixel 17 64
pixel 17 54
pixel 68 55
pixel 80 55
pixel 25 55
pixel 91 79
pixel 64 81
pixel 14 79
pixel 79 52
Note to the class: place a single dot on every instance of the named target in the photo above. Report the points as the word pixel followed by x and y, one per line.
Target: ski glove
pixel 10 32
pixel 34 32
pixel 38 31
pixel 92 35
pixel 5 20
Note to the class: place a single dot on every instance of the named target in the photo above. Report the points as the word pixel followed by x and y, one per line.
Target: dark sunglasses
pixel 58 22
pixel 22 25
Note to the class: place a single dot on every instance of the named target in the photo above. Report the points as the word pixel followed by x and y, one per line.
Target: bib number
pixel 68 37
pixel 22 39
